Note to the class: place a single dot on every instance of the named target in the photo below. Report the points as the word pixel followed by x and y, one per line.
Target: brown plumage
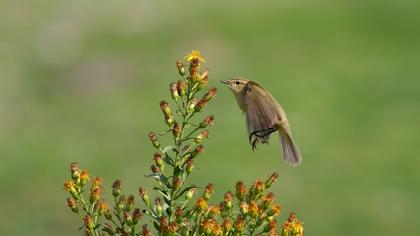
pixel 264 115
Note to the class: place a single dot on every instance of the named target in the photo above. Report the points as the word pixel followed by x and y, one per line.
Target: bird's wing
pixel 262 114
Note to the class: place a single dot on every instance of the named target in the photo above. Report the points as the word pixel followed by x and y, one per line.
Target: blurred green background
pixel 82 80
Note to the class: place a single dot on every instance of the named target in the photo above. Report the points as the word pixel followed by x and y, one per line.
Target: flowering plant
pixel 177 211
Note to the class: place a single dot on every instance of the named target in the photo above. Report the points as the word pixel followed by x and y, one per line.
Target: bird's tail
pixel 291 154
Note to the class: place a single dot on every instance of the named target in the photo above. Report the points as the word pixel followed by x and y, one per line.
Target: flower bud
pixel 191 105
pixel 257 188
pixel 84 177
pixel 190 193
pixel 116 188
pixel 208 192
pixel 240 224
pixel 88 223
pixel 189 166
pixel 174 91
pixel 244 207
pixel 70 186
pixel 158 160
pixel 198 150
pixel 204 78
pixel 210 94
pixel 208 121
pixel 95 194
pixel 74 170
pixel 201 104
pixel 228 200
pixel 227 225
pixel 158 207
pixel 271 227
pixel 130 203
pixel 155 169
pixel 270 180
pixel 97 182
pixel 71 202
pixel 176 183
pixel 180 66
pixel 275 210
pixel 204 134
pixel 146 231
pixel 127 218
pixel 103 208
pixel 153 140
pixel 144 196
pixel 181 87
pixel 164 106
pixel 179 214
pixel 201 204
pixel 176 130
pixel 253 209
pixel 121 202
pixel 267 200
pixel 240 190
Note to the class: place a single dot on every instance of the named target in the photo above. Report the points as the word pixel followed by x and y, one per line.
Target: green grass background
pixel 82 80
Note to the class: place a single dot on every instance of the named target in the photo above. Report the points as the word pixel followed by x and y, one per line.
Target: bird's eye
pixel 237 82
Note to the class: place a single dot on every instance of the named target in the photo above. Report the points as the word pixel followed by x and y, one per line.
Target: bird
pixel 264 116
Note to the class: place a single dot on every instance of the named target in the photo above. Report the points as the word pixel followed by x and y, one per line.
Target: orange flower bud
pixel 240 190
pixel 95 194
pixel 227 225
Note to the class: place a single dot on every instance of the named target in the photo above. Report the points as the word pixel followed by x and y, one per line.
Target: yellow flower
pixel 292 226
pixel 194 55
pixel 201 204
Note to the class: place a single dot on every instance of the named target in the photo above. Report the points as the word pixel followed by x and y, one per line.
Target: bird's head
pixel 237 85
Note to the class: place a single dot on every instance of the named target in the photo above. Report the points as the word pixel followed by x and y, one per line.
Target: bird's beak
pixel 225 82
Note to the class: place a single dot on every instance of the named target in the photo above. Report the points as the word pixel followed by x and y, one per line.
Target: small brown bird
pixel 264 115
